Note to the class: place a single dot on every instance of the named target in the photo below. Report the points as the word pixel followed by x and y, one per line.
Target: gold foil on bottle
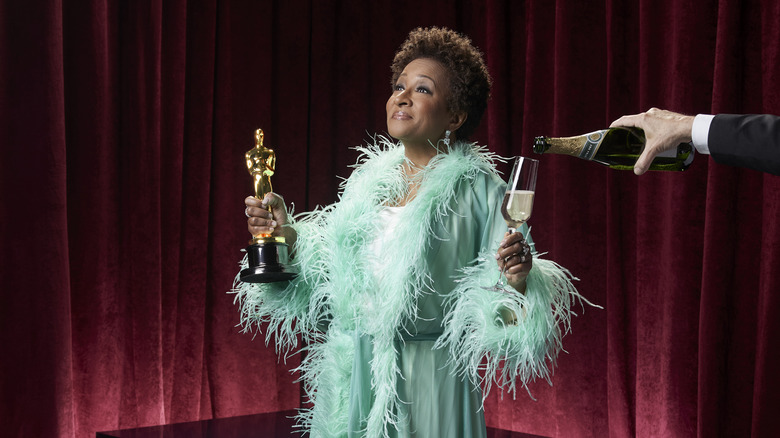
pixel 566 145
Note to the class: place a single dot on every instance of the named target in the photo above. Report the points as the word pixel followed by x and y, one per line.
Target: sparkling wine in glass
pixel 518 200
pixel 516 207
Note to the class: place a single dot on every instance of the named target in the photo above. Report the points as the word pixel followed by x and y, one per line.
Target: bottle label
pixel 591 146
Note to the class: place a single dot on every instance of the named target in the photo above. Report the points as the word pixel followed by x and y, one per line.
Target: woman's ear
pixel 457 120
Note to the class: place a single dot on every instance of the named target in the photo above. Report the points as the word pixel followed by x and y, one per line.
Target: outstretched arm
pixel 664 130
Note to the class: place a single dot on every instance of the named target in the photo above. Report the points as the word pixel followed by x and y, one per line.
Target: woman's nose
pixel 401 98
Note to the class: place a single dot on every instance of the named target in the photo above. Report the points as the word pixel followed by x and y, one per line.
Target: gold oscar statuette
pixel 268 256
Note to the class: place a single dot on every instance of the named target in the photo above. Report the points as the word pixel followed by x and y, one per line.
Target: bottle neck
pixel 561 145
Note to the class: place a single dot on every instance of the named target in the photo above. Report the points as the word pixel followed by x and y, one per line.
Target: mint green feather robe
pixel 400 350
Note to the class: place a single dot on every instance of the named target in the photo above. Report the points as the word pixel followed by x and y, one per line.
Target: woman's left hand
pixel 514 253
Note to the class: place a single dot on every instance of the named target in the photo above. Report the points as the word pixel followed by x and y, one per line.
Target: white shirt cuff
pixel 700 131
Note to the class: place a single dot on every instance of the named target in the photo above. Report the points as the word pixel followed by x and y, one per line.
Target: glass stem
pixel 511 231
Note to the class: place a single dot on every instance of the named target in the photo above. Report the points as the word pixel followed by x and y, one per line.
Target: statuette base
pixel 268 262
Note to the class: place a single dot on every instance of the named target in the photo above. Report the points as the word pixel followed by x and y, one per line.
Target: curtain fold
pixel 35 302
pixel 122 132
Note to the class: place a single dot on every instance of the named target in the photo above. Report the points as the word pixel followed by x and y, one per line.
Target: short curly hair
pixel 469 78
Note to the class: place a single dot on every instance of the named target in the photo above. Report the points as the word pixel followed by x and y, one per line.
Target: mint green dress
pixel 397 335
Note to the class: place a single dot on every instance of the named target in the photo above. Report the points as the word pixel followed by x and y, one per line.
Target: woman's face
pixel 417 110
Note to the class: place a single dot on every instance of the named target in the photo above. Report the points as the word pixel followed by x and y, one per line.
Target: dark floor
pixel 270 425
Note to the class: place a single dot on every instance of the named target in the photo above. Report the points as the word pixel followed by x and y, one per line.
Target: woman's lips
pixel 401 115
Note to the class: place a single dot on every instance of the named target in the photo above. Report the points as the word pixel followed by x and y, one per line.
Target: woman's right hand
pixel 261 221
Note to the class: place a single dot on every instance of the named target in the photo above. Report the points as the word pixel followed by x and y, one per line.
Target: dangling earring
pixel 447 138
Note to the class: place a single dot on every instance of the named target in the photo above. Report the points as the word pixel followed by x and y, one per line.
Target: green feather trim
pixel 484 348
pixel 329 390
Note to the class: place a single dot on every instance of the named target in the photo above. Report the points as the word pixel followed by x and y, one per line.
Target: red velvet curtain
pixel 123 126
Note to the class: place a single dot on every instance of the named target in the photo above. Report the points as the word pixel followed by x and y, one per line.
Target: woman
pixel 390 295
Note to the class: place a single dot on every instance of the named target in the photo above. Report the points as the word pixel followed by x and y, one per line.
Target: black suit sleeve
pixel 751 141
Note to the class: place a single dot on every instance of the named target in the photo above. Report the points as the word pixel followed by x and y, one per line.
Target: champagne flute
pixel 518 201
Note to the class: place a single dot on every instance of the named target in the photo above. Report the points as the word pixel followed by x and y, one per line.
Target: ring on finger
pixel 246 212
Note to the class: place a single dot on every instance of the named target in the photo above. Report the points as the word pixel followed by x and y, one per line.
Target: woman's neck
pixel 418 156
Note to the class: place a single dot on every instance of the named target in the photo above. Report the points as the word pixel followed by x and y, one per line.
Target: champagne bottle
pixel 618 148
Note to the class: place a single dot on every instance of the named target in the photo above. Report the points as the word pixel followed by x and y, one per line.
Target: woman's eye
pixel 398 87
pixel 423 90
